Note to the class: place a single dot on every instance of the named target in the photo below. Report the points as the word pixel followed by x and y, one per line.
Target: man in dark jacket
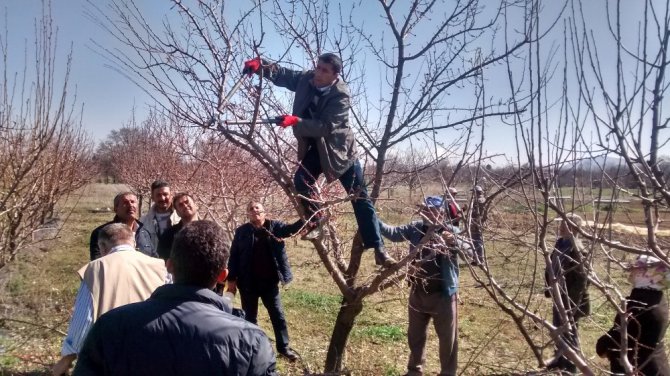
pixel 320 123
pixel 183 328
pixel 646 320
pixel 258 262
pixel 187 210
pixel 125 209
pixel 568 273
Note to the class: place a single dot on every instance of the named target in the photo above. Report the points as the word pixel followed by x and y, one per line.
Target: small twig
pixel 34 324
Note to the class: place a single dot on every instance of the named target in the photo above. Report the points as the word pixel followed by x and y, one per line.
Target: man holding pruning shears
pixel 320 123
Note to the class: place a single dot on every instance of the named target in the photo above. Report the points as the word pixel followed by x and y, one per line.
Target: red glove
pixel 252 66
pixel 288 121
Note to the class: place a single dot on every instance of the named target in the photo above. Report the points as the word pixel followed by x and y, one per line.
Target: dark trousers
pixel 570 337
pixel 478 244
pixel 353 182
pixel 269 295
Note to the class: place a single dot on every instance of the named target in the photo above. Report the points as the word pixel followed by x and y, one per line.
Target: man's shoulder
pixel 97 229
pixel 210 321
pixel 341 87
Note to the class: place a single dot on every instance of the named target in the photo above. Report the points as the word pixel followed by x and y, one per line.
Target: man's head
pixel 256 213
pixel 199 254
pixel 327 69
pixel 125 206
pixel 161 196
pixel 478 190
pixel 563 227
pixel 185 206
pixel 113 235
pixel 432 210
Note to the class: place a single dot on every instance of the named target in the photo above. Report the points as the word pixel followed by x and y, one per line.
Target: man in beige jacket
pixel 122 276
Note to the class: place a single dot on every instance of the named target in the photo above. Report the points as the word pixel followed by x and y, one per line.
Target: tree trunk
pixel 338 340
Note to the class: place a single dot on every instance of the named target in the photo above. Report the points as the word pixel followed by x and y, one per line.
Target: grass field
pixel 38 292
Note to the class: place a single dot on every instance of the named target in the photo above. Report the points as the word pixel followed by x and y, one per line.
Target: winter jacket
pixel 179 330
pixel 151 224
pixel 142 240
pixel 568 266
pixel 166 240
pixel 241 251
pixel 646 326
pixel 414 232
pixel 329 128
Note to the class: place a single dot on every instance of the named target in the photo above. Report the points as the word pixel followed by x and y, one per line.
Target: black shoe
pixel 562 364
pixel 289 354
pixel 382 258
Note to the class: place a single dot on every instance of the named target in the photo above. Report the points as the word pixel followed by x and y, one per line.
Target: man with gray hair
pixel 132 276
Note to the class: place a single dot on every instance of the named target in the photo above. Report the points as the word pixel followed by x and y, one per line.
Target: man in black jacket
pixel 258 262
pixel 183 328
pixel 645 321
pixel 187 210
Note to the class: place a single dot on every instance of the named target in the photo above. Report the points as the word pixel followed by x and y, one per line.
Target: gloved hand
pixel 288 120
pixel 252 66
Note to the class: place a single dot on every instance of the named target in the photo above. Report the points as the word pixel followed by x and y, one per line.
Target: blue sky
pixel 109 98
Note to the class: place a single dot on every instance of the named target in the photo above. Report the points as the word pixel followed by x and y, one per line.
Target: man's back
pixel 180 330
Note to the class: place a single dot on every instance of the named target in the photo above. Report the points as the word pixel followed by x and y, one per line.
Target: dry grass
pixel 39 289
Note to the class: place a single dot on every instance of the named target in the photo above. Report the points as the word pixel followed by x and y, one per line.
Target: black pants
pixel 269 295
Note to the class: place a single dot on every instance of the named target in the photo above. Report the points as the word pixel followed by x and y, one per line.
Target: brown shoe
pixel 383 259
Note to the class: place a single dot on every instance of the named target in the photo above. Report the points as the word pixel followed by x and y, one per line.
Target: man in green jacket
pixel 320 123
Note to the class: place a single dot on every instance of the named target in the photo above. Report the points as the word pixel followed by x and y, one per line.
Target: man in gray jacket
pixel 320 123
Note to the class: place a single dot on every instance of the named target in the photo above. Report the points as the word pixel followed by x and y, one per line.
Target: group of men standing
pixel 137 314
pixel 196 258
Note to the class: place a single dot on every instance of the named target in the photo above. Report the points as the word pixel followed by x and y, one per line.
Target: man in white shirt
pixel 161 216
pixel 131 275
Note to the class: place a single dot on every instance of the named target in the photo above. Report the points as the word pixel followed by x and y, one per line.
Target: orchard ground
pixel 37 293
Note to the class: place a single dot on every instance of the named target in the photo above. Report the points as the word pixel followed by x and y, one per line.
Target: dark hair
pixel 159 184
pixel 179 196
pixel 199 254
pixel 118 197
pixel 333 60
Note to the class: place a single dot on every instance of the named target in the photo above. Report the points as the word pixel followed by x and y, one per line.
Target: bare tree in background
pixel 401 90
pixel 44 154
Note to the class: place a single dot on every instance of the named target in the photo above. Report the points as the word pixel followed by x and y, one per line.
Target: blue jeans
pixel 269 294
pixel 352 180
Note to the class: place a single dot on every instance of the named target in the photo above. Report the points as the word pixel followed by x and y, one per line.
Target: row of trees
pixel 45 156
pixel 407 72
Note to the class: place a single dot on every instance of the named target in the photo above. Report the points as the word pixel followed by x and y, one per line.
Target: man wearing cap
pixel 433 278
pixel 646 320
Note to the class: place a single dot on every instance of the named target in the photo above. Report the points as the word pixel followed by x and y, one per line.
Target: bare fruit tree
pixel 401 70
pixel 44 154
